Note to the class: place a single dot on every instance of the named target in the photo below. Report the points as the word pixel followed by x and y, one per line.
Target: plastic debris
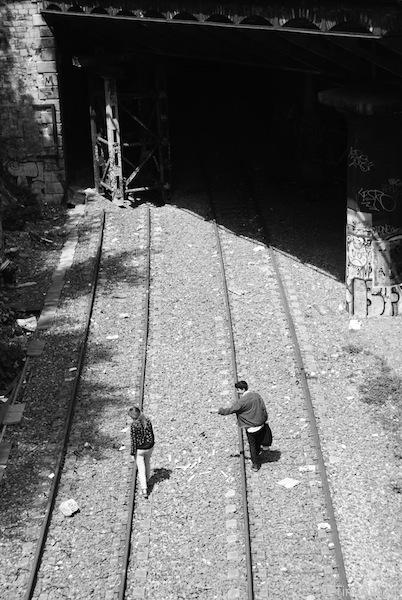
pixel 124 316
pixel 354 325
pixel 69 507
pixel 112 337
pixel 26 284
pixel 258 249
pixel 310 468
pixel 288 483
pixel 324 525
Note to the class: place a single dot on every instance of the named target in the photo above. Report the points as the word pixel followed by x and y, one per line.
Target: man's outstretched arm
pixel 234 408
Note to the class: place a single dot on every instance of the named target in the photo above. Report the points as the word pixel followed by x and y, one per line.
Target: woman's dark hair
pixel 135 413
pixel 241 385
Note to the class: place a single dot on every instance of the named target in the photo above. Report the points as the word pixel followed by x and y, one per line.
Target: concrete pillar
pixel 374 199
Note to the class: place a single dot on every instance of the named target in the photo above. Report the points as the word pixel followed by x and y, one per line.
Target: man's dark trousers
pixel 255 441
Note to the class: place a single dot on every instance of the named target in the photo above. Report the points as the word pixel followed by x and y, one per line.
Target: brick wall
pixel 31 146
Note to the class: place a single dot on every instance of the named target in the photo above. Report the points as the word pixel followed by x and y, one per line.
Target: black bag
pixel 267 439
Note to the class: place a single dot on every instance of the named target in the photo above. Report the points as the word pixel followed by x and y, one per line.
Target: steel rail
pixel 131 501
pixel 67 428
pixel 306 393
pixel 247 538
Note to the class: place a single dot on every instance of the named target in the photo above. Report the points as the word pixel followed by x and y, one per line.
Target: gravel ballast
pixel 188 536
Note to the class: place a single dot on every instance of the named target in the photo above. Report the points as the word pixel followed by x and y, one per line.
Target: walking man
pixel 142 445
pixel 251 415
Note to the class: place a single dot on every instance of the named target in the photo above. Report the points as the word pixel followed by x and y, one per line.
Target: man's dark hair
pixel 241 385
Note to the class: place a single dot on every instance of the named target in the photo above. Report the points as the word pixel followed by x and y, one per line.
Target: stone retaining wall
pixel 31 145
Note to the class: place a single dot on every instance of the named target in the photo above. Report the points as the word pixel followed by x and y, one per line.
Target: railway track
pixel 257 587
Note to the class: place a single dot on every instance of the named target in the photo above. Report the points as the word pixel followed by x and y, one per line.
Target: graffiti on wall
pixel 376 200
pixel 359 250
pixel 357 159
pixel 365 300
pixel 28 174
pixel 373 267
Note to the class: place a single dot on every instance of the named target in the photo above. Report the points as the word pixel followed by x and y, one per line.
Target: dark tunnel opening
pixel 270 118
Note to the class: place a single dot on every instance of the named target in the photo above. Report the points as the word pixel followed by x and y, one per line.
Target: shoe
pixel 255 467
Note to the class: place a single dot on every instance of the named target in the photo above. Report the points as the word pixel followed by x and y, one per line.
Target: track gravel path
pixel 291 539
pixel 187 540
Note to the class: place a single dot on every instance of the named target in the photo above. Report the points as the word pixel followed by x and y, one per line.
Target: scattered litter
pixel 112 337
pixel 3 399
pixel 354 325
pixel 320 309
pixel 341 307
pixel 310 468
pixel 184 467
pixel 349 397
pixel 69 507
pixel 88 445
pixel 288 483
pixel 324 525
pixel 223 473
pixel 124 430
pixel 26 284
pixel 124 316
pixel 122 447
pixel 169 457
pixel 71 369
pixel 258 249
pixel 311 375
pixel 237 292
pixel 331 545
pixel 51 475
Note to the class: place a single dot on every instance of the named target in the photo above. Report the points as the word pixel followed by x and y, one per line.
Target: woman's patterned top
pixel 142 435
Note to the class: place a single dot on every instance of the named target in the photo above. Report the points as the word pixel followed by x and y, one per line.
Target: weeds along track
pixel 75 375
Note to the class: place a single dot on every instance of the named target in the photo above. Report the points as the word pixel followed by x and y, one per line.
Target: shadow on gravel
pixel 269 456
pixel 382 391
pixel 159 475
pixel 297 173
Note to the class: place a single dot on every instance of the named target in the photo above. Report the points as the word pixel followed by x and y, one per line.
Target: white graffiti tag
pixel 359 160
pixel 376 200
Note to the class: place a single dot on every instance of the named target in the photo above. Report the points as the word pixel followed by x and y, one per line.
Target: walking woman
pixel 142 445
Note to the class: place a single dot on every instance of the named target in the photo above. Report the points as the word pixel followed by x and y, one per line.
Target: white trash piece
pixel 307 468
pixel 28 324
pixel 288 483
pixel 354 325
pixel 69 507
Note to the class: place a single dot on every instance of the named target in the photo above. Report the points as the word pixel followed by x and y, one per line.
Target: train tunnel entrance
pixel 149 88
